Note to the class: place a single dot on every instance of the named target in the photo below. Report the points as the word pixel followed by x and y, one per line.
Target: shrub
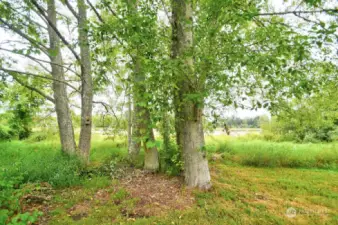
pixel 172 163
pixel 5 133
pixel 10 194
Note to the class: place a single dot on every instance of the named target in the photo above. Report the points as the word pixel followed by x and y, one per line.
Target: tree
pixel 59 88
pixel 33 33
pixel 188 98
pixel 86 82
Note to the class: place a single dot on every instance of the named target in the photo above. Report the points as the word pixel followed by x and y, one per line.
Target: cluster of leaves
pixel 10 195
pixel 20 105
pixel 311 120
pixel 172 160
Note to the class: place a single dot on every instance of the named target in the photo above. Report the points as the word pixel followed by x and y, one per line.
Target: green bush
pixel 171 158
pixel 10 195
pixel 5 133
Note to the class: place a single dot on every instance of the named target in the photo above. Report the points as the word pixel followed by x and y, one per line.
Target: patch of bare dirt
pixel 157 193
pixel 102 196
pixel 79 211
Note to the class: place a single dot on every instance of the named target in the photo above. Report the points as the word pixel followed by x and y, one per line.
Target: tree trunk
pixel 86 83
pixel 188 113
pixel 142 130
pixel 135 144
pixel 166 131
pixel 130 123
pixel 151 159
pixel 196 170
pixel 63 113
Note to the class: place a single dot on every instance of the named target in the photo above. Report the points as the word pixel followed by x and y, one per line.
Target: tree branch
pixel 41 60
pixel 40 46
pixel 297 12
pixel 102 21
pixel 9 71
pixel 107 107
pixel 71 9
pixel 33 89
pixel 95 11
pixel 41 10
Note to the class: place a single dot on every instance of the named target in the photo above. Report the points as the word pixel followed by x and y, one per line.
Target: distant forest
pixel 236 122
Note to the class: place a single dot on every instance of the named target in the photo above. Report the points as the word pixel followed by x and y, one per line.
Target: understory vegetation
pixel 265 172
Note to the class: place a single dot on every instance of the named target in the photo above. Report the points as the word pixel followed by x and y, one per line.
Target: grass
pixel 261 153
pixel 241 195
pixel 254 183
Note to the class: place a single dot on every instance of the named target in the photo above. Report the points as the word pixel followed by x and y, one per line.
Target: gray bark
pixel 63 113
pixel 189 127
pixel 86 83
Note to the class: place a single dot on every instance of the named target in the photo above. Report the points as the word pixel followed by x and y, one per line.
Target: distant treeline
pixel 236 122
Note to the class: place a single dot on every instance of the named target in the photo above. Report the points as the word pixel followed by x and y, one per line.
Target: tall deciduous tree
pixel 59 88
pixel 142 126
pixel 86 82
pixel 33 32
pixel 188 98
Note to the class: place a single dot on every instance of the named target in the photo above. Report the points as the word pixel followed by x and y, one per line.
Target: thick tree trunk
pixel 196 170
pixel 63 113
pixel 188 113
pixel 86 83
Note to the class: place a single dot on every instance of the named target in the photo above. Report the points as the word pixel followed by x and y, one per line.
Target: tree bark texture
pixel 188 112
pixel 63 113
pixel 86 83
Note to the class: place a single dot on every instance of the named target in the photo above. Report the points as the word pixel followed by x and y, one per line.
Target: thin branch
pixel 38 76
pixel 49 98
pixel 27 18
pixel 95 11
pixel 107 107
pixel 71 9
pixel 103 22
pixel 39 45
pixel 50 23
pixel 28 56
pixel 297 12
pixel 112 11
pixel 314 22
pixel 41 60
pixel 166 12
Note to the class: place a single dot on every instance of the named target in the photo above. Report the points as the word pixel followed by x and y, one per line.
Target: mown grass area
pixel 254 182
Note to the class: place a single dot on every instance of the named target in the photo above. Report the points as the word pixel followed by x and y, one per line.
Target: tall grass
pixel 272 154
pixel 41 162
pixel 44 162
